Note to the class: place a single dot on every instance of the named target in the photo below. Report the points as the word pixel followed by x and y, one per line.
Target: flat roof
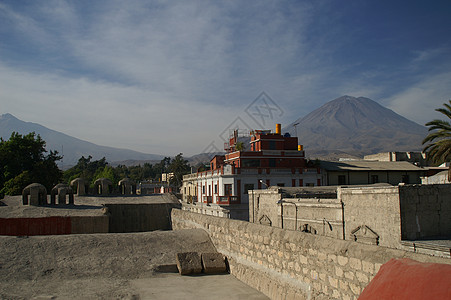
pixel 365 165
pixel 11 206
pixel 321 190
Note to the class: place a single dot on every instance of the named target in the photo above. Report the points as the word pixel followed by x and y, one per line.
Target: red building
pixel 269 159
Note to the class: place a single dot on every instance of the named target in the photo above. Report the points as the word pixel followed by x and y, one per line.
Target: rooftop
pixel 364 165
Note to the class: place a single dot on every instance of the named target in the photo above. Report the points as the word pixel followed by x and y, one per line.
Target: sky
pixel 169 77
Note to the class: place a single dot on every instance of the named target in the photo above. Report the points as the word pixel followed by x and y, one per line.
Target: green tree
pixel 239 146
pixel 85 168
pixel 23 161
pixel 106 172
pixel 179 166
pixel 161 167
pixel 438 141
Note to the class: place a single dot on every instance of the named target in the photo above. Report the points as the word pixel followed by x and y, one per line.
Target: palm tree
pixel 439 138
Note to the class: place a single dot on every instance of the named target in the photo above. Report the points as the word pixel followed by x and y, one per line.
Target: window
pixel 374 179
pixel 272 145
pixel 203 189
pixel 247 187
pixel 309 184
pixel 251 163
pixel 281 184
pixel 341 179
pixel 227 190
pixel 272 162
pixel 216 188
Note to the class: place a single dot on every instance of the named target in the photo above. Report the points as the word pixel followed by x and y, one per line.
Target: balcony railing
pixel 207 199
pixel 227 200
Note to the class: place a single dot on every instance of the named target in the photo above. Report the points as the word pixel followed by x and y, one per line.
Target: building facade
pixel 273 159
pixel 358 172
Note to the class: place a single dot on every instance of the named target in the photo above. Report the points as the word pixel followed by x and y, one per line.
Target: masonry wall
pixel 318 216
pixel 139 217
pixel 376 207
pixel 286 264
pixel 263 207
pixel 425 211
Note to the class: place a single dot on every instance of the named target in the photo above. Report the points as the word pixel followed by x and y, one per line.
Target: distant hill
pixel 355 126
pixel 73 148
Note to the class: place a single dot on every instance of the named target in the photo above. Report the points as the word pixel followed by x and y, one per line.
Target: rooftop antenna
pixel 295 129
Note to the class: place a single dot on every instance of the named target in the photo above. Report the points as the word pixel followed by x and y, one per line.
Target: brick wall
pixel 285 264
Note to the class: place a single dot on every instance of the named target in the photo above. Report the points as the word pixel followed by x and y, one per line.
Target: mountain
pixel 356 126
pixel 71 147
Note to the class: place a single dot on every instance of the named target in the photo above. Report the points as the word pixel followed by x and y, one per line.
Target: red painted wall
pixel 35 226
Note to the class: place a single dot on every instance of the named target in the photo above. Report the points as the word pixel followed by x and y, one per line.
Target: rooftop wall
pixel 425 211
pixel 286 264
pixel 375 207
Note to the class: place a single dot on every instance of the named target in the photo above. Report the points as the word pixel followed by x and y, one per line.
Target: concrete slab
pixel 213 263
pixel 189 263
pixel 198 287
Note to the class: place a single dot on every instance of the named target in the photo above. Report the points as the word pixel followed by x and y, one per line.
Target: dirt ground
pixel 104 266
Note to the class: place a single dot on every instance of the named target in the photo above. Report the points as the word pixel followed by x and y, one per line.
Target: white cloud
pixel 419 101
pixel 101 113
pixel 168 77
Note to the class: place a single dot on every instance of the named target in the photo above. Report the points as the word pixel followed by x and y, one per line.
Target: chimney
pixel 278 128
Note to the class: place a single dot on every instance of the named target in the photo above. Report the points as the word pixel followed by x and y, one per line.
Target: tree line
pixel 24 160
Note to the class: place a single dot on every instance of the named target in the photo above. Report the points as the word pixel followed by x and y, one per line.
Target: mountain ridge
pixel 357 126
pixel 73 147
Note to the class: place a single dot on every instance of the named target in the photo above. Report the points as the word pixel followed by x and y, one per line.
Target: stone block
pixel 338 271
pixel 355 263
pixel 342 260
pixel 361 277
pixel 349 275
pixel 368 267
pixel 189 263
pixel 213 263
pixel 333 282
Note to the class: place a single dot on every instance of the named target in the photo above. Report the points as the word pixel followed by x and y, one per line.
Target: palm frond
pixel 439 137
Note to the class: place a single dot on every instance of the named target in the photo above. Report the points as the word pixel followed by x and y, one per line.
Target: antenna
pixel 62 157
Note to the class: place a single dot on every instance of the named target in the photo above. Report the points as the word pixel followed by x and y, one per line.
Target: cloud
pixel 169 77
pixel 419 101
pixel 101 113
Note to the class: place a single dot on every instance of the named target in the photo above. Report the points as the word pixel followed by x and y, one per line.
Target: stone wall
pixel 404 212
pixel 318 216
pixel 375 207
pixel 263 207
pixel 234 211
pixel 319 213
pixel 286 264
pixel 425 211
pixel 139 217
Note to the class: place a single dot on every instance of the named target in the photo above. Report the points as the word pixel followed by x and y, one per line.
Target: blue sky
pixel 171 76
